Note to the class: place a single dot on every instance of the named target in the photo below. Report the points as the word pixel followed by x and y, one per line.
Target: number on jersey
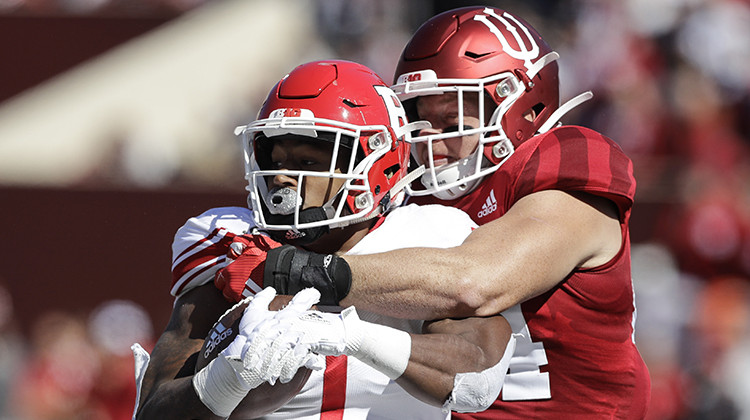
pixel 524 380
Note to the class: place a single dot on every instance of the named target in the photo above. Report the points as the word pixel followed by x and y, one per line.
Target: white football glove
pixel 262 351
pixel 218 385
pixel 255 312
pixel 274 350
pixel 383 348
pixel 331 334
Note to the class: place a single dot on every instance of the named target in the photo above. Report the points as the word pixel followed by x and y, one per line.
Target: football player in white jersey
pixel 326 164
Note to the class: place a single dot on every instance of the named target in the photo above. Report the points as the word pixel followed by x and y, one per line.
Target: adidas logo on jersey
pixel 489 205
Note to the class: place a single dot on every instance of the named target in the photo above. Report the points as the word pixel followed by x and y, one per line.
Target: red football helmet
pixel 493 53
pixel 342 103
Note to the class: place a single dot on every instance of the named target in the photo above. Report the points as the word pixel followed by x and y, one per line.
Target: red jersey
pixel 575 357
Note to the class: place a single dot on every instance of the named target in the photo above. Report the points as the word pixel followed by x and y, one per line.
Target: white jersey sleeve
pixel 200 246
pixel 431 226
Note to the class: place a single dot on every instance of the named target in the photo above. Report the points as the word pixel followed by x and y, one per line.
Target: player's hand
pixel 254 314
pixel 247 254
pixel 381 347
pixel 275 349
pixel 224 382
pixel 329 334
pixel 269 350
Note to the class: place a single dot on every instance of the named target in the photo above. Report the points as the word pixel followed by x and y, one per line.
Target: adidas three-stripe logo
pixel 489 205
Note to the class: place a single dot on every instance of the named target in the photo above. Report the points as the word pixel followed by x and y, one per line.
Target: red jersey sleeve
pixel 571 158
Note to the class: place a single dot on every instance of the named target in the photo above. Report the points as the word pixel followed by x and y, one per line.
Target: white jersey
pixel 347 387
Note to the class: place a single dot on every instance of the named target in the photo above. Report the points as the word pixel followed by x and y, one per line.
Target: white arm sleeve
pixel 476 391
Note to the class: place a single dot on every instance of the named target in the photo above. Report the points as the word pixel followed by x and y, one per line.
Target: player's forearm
pixel 418 283
pixel 412 283
pixel 450 348
pixel 430 373
pixel 453 359
pixel 507 261
pixel 175 400
pixel 161 394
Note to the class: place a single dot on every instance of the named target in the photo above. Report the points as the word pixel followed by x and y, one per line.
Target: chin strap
pixel 408 179
pixel 539 65
pixel 564 109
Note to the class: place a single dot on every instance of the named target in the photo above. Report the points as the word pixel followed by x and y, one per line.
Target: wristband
pixel 381 347
pixel 290 270
pixel 218 387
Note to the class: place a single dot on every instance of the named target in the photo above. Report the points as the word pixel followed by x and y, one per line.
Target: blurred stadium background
pixel 116 120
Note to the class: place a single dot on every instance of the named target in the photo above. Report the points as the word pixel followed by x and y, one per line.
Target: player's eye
pixel 275 165
pixel 308 162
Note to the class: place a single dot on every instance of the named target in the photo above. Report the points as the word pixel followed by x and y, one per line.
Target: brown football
pixel 265 398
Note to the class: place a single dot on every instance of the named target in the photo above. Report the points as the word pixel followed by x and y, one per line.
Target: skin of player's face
pixel 442 112
pixel 293 154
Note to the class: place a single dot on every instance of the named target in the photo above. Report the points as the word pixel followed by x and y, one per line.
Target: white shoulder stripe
pixel 198 276
pixel 203 244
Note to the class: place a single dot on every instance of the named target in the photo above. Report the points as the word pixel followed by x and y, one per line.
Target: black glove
pixel 290 269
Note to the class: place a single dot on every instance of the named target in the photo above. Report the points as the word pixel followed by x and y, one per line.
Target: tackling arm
pixel 536 244
pixel 457 364
pixel 449 350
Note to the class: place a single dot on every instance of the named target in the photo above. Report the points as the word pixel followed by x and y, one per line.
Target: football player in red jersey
pixel 326 164
pixel 553 202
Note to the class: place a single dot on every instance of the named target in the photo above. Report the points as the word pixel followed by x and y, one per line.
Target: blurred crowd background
pixel 116 124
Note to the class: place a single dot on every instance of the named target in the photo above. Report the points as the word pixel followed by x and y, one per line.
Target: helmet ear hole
pixel 536 111
pixel 390 171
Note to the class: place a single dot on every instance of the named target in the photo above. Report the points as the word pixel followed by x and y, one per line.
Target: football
pixel 265 398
